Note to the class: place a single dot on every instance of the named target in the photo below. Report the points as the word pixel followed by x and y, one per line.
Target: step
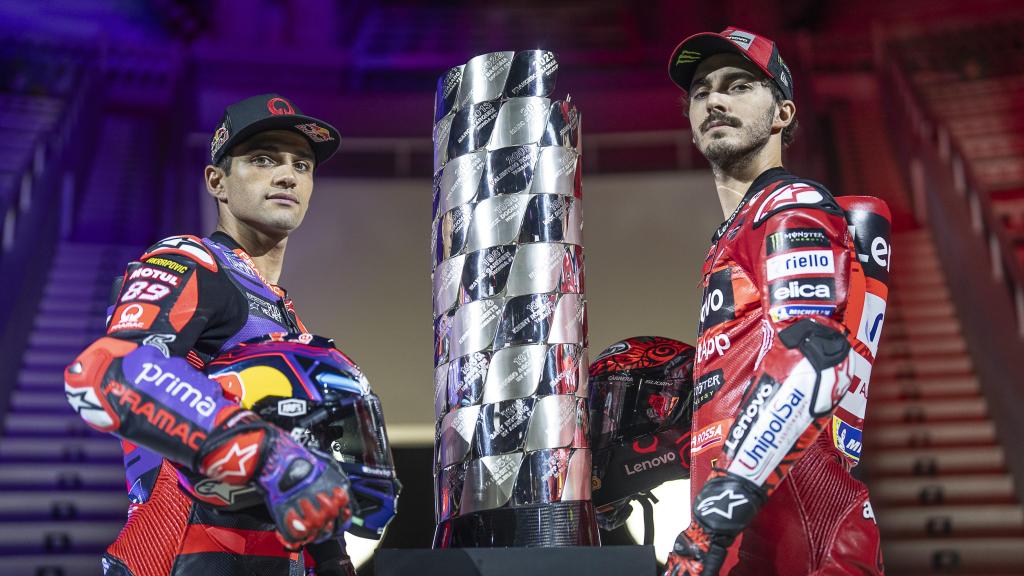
pixel 933 462
pixel 81 323
pixel 51 564
pixel 41 359
pixel 883 390
pixel 32 537
pixel 923 312
pixel 67 450
pixel 919 346
pixel 46 378
pixel 915 278
pixel 946 328
pixel 72 306
pixel 929 435
pixel 934 296
pixel 910 411
pixel 51 339
pixel 41 400
pixel 79 291
pixel 71 476
pixel 966 489
pixel 924 367
pixel 952 521
pixel 46 425
pixel 63 506
pixel 978 556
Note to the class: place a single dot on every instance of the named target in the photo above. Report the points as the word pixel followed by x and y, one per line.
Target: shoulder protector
pixel 190 247
pixel 794 194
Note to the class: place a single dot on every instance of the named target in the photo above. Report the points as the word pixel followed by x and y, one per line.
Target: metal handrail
pixel 1006 267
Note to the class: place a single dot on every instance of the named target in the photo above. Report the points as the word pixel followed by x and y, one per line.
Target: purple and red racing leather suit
pixel 192 455
pixel 781 345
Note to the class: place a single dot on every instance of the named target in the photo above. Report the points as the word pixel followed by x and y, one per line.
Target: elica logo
pixel 764 392
pixel 797 290
pixel 649 464
pixel 712 346
pixel 176 388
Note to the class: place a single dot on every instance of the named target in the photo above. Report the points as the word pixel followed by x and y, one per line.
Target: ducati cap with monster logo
pixel 271 112
pixel 760 50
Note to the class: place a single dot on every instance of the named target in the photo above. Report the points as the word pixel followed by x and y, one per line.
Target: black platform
pixel 597 561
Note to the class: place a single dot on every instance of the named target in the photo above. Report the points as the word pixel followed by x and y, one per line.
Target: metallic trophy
pixel 512 463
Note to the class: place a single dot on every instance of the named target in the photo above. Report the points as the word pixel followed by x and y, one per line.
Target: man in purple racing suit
pixel 190 448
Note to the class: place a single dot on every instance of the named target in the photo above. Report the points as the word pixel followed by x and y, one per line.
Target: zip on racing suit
pixel 794 292
pixel 190 451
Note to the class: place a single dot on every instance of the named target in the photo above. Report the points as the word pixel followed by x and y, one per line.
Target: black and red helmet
pixel 641 392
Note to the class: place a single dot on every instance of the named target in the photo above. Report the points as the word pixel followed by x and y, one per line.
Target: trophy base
pixel 538 525
pixel 592 561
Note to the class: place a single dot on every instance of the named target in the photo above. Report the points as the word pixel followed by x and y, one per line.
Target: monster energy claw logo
pixel 687 56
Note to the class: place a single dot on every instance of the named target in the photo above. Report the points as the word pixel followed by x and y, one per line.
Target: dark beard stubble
pixel 727 157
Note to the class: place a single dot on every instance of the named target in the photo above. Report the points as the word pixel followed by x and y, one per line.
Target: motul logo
pixel 165 277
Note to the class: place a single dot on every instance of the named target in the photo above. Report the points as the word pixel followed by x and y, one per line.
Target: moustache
pixel 720 118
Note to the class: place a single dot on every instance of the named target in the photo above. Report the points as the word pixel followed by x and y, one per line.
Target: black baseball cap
pixel 271 112
pixel 760 50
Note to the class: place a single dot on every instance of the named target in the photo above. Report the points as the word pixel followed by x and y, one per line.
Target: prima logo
pixel 176 388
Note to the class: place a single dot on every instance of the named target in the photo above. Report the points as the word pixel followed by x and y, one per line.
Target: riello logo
pixel 649 464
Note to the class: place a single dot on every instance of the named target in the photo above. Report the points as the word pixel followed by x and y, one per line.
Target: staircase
pixel 944 500
pixel 62 493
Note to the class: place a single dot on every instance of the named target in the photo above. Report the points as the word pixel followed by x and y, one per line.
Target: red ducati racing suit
pixel 199 467
pixel 789 325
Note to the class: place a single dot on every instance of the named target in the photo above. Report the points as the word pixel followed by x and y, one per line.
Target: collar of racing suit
pixel 763 179
pixel 230 243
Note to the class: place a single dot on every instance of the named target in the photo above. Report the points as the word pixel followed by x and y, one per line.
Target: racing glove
pixel 723 508
pixel 306 492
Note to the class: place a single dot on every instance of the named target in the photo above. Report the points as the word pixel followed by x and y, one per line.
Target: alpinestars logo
pixel 187 246
pixel 724 504
pixel 235 461
pixel 794 194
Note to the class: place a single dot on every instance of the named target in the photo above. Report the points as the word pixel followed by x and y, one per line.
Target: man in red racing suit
pixel 193 455
pixel 780 341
